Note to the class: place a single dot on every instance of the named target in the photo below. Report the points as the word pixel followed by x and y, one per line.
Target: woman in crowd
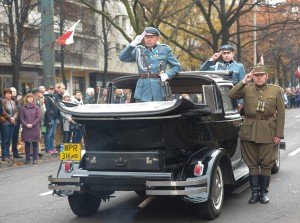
pixel 31 132
pixel 10 114
pixel 66 121
pixel 77 128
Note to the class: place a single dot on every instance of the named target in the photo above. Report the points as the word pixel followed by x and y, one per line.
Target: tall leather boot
pixel 254 185
pixel 264 185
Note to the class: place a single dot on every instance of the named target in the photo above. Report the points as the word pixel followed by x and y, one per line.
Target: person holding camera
pixel 262 128
pixel 51 117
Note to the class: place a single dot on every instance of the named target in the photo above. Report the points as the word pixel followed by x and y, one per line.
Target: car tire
pixel 212 208
pixel 84 204
pixel 276 165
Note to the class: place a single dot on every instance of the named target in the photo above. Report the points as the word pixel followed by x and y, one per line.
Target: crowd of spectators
pixel 36 117
pixel 292 97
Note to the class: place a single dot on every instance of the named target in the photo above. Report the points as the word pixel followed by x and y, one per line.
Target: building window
pixel 124 22
pixel 4 33
pixel 118 48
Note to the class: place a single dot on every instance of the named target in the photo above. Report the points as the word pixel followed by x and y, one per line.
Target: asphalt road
pixel 25 197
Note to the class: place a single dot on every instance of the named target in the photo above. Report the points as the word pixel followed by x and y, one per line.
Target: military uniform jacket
pixel 253 128
pixel 151 89
pixel 236 67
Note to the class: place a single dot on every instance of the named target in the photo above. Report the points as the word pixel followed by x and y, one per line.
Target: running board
pixel 241 172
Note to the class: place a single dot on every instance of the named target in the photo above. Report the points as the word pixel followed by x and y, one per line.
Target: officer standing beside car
pixel 262 128
pixel 152 62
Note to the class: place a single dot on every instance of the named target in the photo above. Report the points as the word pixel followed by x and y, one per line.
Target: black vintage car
pixel 188 146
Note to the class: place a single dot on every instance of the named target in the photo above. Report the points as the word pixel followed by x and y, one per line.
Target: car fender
pixel 210 158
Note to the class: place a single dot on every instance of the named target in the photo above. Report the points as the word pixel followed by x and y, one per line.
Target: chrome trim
pixel 175 183
pixel 187 190
pixel 64 188
pixel 86 173
pixel 63 180
pixel 176 192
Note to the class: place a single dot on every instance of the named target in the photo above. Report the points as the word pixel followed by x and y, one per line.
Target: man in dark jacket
pixel 51 116
pixel 15 137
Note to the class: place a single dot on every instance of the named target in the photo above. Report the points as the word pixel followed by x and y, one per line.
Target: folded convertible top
pixel 145 109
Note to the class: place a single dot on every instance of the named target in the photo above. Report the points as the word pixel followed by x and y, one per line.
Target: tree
pixel 17 15
pixel 195 29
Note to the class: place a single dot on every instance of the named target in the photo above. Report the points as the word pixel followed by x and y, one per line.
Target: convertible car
pixel 188 146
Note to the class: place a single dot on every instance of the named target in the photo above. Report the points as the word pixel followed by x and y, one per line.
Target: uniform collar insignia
pixel 152 49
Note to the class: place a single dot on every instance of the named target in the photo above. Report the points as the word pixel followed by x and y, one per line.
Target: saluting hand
pixel 248 77
pixel 138 39
pixel 216 56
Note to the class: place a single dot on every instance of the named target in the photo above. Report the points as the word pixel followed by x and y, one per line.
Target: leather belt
pixel 259 117
pixel 143 76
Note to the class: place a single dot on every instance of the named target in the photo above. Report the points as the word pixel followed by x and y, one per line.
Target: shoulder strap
pixel 216 66
pixel 259 98
pixel 147 65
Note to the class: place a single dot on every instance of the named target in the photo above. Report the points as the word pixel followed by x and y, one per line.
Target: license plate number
pixel 70 151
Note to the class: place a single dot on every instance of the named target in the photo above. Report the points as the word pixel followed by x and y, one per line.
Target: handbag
pixel 2 119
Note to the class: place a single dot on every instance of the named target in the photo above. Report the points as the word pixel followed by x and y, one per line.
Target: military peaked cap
pixel 227 47
pixel 260 69
pixel 151 31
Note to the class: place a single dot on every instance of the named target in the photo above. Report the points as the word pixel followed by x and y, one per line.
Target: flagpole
pixel 254 36
pixel 62 51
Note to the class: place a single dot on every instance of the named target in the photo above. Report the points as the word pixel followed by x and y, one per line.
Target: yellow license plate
pixel 70 151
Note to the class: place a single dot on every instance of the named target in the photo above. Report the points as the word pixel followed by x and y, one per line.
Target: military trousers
pixel 259 157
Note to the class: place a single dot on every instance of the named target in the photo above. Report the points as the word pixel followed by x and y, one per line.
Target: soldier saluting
pixel 227 63
pixel 152 62
pixel 262 128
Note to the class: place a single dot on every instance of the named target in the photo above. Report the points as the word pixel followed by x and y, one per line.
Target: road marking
pixel 46 193
pixel 294 152
pixel 241 188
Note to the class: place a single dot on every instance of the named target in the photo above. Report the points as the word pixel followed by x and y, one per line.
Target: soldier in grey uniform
pixel 262 128
pixel 152 62
pixel 228 63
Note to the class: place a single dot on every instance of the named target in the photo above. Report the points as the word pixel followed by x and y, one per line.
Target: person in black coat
pixel 51 116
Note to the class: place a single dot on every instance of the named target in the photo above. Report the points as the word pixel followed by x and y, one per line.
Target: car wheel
pixel 84 204
pixel 212 208
pixel 276 166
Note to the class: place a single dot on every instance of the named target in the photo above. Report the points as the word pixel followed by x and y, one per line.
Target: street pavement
pixel 21 161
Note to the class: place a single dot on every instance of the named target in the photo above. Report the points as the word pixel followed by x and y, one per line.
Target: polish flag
pixel 297 71
pixel 67 37
pixel 261 60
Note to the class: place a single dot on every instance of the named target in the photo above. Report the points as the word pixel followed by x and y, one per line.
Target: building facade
pixel 83 60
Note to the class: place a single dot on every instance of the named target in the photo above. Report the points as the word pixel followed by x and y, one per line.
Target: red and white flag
pixel 67 37
pixel 261 60
pixel 297 71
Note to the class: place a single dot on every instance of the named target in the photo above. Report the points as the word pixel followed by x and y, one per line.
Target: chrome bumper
pixel 156 183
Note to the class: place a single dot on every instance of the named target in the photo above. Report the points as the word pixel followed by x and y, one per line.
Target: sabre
pixel 165 85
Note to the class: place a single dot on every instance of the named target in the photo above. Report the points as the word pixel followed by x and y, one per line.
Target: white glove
pixel 138 39
pixel 163 77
